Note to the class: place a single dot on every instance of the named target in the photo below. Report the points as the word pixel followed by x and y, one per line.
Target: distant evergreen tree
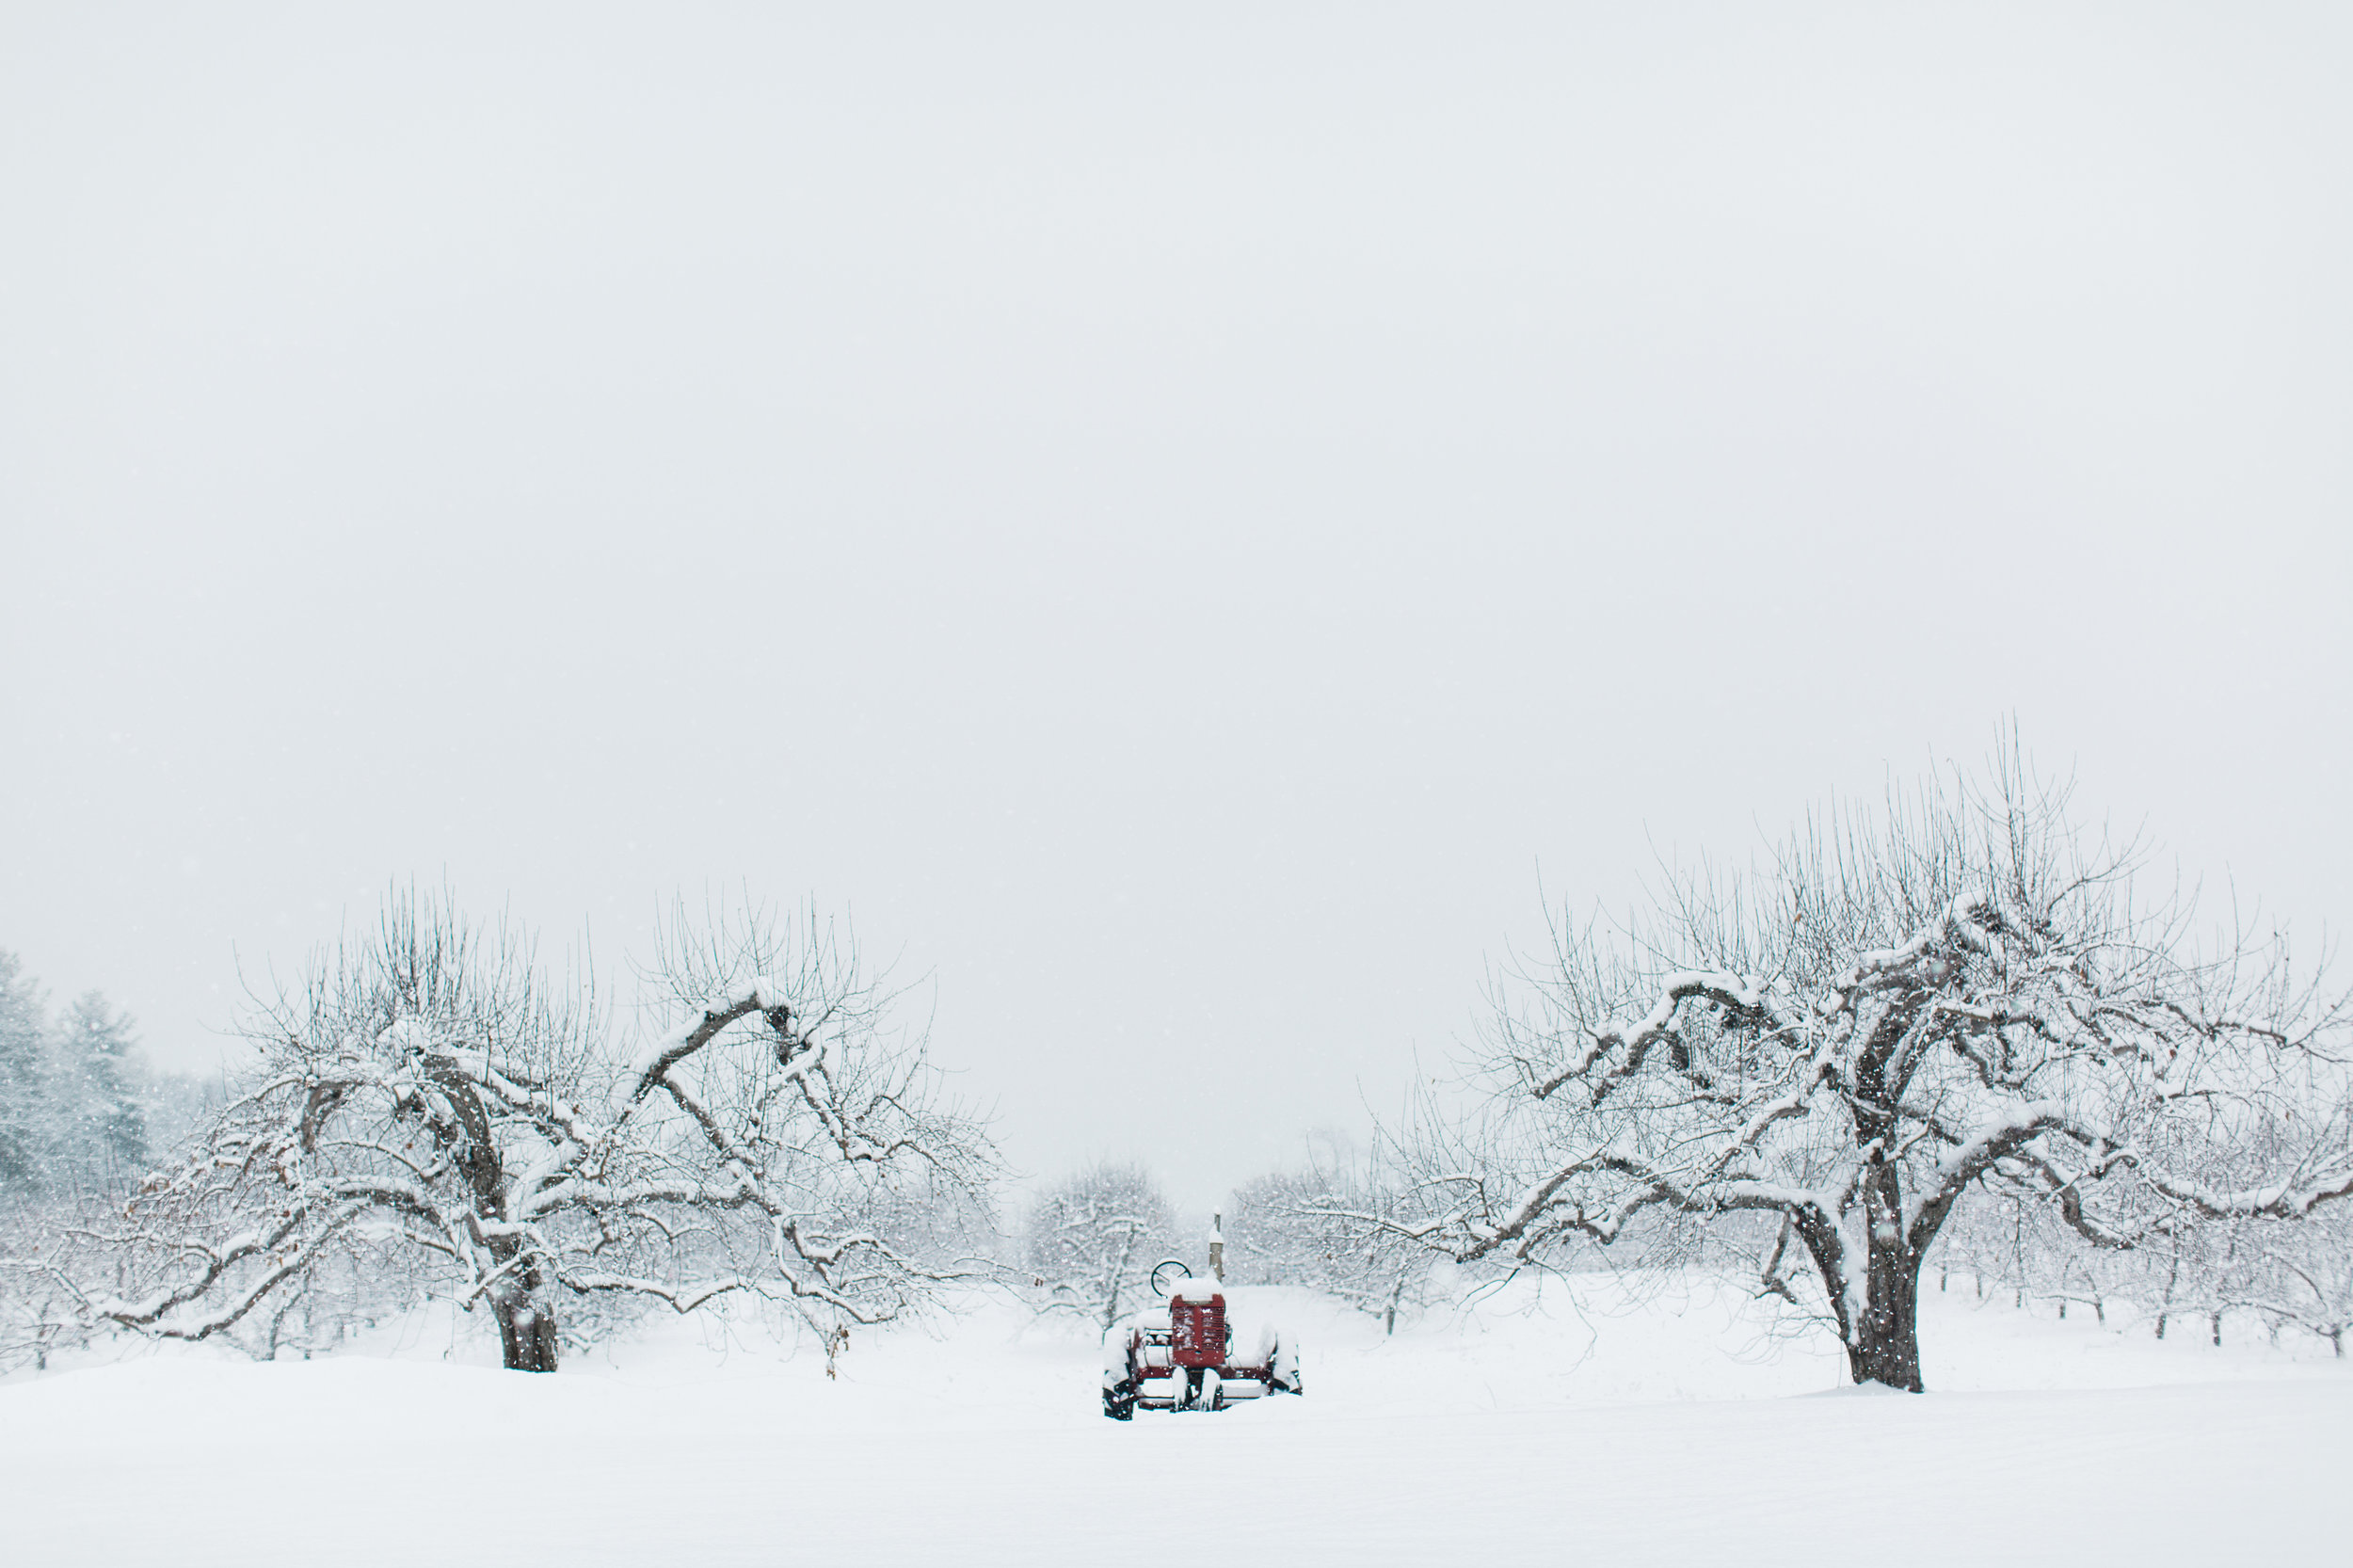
pixel 72 1111
pixel 99 1084
pixel 24 1100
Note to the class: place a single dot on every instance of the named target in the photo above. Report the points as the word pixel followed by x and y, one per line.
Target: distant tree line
pixel 76 1102
pixel 2193 1279
pixel 81 1115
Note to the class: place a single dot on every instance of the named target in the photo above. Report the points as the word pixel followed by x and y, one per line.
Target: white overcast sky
pixel 1174 516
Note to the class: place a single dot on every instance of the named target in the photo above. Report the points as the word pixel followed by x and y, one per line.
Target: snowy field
pixel 1526 1430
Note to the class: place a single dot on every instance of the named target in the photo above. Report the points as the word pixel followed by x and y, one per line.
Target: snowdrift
pixel 1596 1420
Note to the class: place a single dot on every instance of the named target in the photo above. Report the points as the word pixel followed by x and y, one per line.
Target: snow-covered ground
pixel 1560 1428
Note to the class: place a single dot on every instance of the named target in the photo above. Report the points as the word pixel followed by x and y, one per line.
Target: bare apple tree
pixel 429 1102
pixel 1330 1226
pixel 2305 1279
pixel 1090 1240
pixel 1816 1062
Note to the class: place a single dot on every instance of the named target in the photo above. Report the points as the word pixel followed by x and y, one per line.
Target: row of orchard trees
pixel 1906 1033
pixel 1090 1242
pixel 2193 1278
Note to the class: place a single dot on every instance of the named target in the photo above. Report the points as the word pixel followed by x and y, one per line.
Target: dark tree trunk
pixel 1887 1343
pixel 2173 1274
pixel 526 1327
pixel 526 1334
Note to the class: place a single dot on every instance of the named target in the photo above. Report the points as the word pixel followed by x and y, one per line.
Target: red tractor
pixel 1183 1358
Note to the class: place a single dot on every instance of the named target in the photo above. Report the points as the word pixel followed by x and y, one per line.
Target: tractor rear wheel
pixel 1283 1369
